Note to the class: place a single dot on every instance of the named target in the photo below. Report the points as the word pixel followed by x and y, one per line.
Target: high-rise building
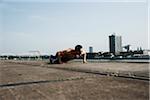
pixel 90 49
pixel 115 44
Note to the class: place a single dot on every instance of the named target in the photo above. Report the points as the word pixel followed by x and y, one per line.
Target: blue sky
pixel 49 26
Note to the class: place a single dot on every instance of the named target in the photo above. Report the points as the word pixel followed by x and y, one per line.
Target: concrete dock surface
pixel 38 80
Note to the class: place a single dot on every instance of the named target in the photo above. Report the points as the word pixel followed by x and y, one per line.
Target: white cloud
pixel 11 7
pixel 75 0
pixel 35 16
pixel 41 18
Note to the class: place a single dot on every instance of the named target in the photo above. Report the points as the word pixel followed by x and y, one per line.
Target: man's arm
pixel 83 53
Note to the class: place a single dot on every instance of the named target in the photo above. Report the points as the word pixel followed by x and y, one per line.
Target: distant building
pixel 90 49
pixel 146 52
pixel 115 44
pixel 93 55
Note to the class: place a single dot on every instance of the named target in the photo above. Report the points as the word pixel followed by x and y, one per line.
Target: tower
pixel 115 44
pixel 90 49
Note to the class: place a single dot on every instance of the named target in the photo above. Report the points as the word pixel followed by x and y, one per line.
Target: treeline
pixel 12 57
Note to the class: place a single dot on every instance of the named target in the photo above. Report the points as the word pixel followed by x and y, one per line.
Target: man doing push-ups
pixel 68 54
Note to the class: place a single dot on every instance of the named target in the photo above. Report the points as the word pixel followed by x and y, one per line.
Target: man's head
pixel 81 52
pixel 78 48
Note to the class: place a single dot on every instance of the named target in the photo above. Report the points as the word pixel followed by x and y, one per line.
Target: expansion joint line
pixel 43 81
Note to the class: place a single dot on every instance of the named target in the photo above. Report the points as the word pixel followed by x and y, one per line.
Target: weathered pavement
pixel 129 70
pixel 126 70
pixel 40 81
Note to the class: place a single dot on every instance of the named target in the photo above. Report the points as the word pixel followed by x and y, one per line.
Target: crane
pixel 127 47
pixel 36 53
